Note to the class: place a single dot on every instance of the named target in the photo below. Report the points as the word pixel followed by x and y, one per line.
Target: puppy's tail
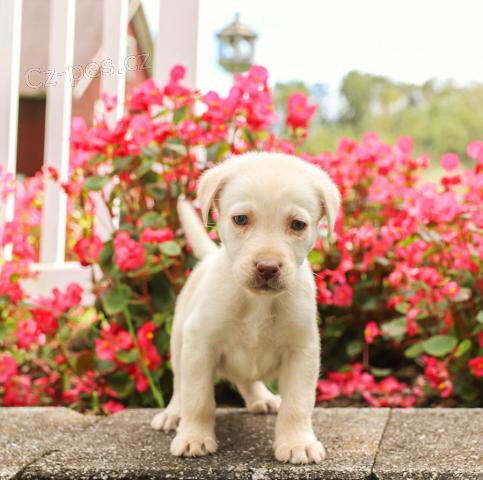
pixel 194 230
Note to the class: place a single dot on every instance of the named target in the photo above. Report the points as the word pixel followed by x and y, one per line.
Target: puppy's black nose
pixel 267 269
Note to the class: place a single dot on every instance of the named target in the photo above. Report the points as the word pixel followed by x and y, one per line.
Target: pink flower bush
pixel 399 289
pixel 130 255
pixel 476 365
pixel 299 111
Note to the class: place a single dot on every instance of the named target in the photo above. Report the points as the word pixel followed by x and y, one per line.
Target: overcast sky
pixel 319 41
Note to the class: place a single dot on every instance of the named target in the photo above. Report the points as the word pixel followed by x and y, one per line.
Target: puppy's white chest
pixel 253 349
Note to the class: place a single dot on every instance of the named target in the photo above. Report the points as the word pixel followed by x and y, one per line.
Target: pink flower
pixel 476 365
pixel 109 100
pixel 89 249
pixel 28 333
pixel 436 373
pixel 60 302
pixel 146 95
pixel 111 407
pixel 8 367
pixel 190 131
pixel 112 340
pixel 411 325
pixel 451 290
pixel 142 130
pixel 258 75
pixel 145 342
pixel 130 255
pixel 450 161
pixel 299 112
pixel 178 72
pixel 327 390
pixel 342 296
pixel 142 383
pixel 18 392
pixel 475 150
pixel 46 321
pixel 148 235
pixel 371 332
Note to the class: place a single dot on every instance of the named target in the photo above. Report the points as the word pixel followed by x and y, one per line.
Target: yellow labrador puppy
pixel 248 310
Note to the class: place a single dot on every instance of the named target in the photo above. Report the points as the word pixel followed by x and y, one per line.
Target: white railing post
pixel 114 46
pixel 177 40
pixel 57 128
pixel 113 81
pixel 10 39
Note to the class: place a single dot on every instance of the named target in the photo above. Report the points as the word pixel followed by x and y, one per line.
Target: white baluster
pixel 10 40
pixel 57 128
pixel 177 40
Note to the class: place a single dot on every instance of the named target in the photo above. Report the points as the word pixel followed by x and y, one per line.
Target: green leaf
pixel 372 303
pixel 180 114
pixel 159 193
pixel 151 151
pixel 106 253
pixel 150 178
pixel 380 372
pixel 217 151
pixel 144 168
pixel 463 295
pixel 479 316
pixel 122 163
pixel 407 241
pixel 96 183
pixel 158 319
pixel 402 307
pixel 127 356
pixel 382 261
pixel 151 218
pixel 335 328
pixel 354 347
pixel 439 345
pixel 315 257
pixel 115 300
pixel 171 248
pixel 395 328
pixel 463 347
pixel 414 350
pixel 162 298
pixel 99 158
pixel 121 383
pixel 177 149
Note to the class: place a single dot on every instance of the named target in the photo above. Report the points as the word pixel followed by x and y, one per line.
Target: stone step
pixel 56 443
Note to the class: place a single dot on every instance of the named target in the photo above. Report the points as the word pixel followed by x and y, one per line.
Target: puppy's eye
pixel 297 225
pixel 240 220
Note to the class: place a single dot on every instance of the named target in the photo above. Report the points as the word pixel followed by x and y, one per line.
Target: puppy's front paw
pixel 270 404
pixel 166 420
pixel 302 452
pixel 193 445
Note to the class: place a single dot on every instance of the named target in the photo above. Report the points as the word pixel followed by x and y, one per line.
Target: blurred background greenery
pixel 439 115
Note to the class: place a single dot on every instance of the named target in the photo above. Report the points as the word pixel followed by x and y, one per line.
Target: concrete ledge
pixel 27 434
pixel 440 444
pixel 361 444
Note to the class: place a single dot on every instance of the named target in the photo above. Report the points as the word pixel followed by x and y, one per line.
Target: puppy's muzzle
pixel 266 276
pixel 267 270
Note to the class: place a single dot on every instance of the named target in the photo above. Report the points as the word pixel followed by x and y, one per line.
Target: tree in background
pixel 440 116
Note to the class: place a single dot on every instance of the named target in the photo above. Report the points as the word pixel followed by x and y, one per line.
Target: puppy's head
pixel 269 206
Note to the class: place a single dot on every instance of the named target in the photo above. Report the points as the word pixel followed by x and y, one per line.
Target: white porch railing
pixel 176 44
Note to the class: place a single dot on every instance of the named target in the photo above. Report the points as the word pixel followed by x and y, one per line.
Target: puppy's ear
pixel 330 198
pixel 209 187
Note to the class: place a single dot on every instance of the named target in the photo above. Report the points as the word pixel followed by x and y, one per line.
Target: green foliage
pixel 440 116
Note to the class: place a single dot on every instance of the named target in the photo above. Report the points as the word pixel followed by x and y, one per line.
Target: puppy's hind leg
pixel 168 419
pixel 258 398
